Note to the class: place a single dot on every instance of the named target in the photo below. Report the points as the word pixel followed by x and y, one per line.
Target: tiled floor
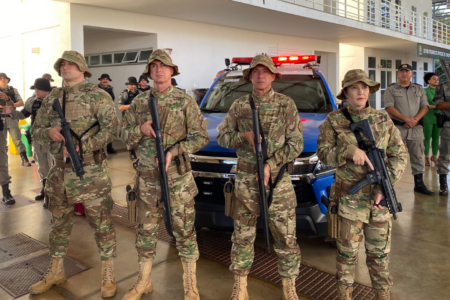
pixel 420 264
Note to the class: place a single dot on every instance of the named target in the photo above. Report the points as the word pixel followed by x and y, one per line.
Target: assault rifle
pixel 165 196
pixel 260 169
pixel 67 133
pixel 380 173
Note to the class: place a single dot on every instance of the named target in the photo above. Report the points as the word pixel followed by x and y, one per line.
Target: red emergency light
pixel 278 60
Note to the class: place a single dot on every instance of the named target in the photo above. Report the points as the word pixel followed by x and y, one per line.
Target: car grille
pixel 303 169
pixel 214 168
pixel 211 190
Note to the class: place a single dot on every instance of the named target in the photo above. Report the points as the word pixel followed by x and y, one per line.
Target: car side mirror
pixel 227 62
pixel 319 58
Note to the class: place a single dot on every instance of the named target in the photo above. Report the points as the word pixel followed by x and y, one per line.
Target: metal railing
pixel 384 14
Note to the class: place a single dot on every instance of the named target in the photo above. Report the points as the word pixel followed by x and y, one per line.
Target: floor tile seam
pixel 23 258
pixel 420 239
pixel 123 279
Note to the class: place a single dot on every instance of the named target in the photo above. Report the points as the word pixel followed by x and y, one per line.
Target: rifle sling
pixel 265 156
pixel 76 136
pixel 347 115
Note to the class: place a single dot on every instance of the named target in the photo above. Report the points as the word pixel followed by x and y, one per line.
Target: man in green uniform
pixel 92 117
pixel 360 215
pixel 407 104
pixel 282 129
pixel 179 116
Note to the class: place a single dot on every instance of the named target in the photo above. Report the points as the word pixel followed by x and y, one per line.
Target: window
pixel 130 57
pixel 414 67
pixel 372 62
pixel 372 75
pixel 106 59
pixel 398 63
pixel 94 60
pixel 414 9
pixel 398 2
pixel 118 57
pixel 144 55
pixel 87 60
pixel 425 66
pixel 386 77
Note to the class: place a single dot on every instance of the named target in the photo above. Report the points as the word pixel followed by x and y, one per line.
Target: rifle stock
pixel 165 196
pixel 260 168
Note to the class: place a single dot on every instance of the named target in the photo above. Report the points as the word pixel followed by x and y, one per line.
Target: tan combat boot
pixel 239 288
pixel 382 294
pixel 190 281
pixel 289 292
pixel 53 276
pixel 143 285
pixel 344 292
pixel 108 281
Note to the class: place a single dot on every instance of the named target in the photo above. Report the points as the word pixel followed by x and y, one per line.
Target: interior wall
pixel 198 49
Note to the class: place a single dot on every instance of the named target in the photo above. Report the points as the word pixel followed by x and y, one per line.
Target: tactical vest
pixel 36 105
pixel 131 96
pixel 10 93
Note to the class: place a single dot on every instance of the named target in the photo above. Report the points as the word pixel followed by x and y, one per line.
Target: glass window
pixel 118 57
pixel 94 60
pixel 106 59
pixel 414 65
pixel 372 62
pixel 414 9
pixel 386 63
pixel 308 92
pixel 130 56
pixel 398 2
pixel 425 66
pixel 87 59
pixel 372 97
pixel 398 63
pixel 144 55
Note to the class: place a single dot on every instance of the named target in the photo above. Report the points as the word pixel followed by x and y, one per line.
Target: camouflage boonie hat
pixel 48 77
pixel 163 57
pixel 75 57
pixel 354 76
pixel 265 60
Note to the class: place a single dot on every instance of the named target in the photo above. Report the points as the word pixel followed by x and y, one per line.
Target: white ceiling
pixel 232 14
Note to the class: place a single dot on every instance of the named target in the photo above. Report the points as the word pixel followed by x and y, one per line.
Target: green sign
pixel 433 52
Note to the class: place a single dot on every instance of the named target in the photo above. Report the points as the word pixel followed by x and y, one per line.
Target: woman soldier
pixel 360 214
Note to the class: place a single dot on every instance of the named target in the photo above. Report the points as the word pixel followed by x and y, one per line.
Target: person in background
pixel 430 129
pixel 104 85
pixel 174 83
pixel 126 97
pixel 143 83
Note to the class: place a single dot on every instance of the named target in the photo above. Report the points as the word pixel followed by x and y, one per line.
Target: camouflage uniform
pixel 336 146
pixel 11 124
pixel 85 105
pixel 179 116
pixel 283 133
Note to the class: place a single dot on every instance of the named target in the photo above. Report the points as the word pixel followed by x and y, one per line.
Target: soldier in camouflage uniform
pixel 360 215
pixel 282 129
pixel 179 116
pixel 91 114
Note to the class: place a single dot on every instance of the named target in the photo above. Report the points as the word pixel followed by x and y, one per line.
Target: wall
pixel 40 24
pixel 198 49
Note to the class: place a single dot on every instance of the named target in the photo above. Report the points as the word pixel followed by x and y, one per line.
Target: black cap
pixel 143 77
pixel 405 67
pixel 41 84
pixel 105 76
pixel 132 81
pixel 174 82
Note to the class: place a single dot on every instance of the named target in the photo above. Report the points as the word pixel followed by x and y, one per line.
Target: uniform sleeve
pixel 439 94
pixel 123 98
pixel 41 126
pixel 423 99
pixel 106 116
pixel 293 139
pixel 388 98
pixel 228 131
pixel 396 156
pixel 327 145
pixel 197 128
pixel 131 133
pixel 18 98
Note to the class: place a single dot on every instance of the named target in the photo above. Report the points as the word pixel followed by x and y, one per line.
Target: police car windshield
pixel 308 93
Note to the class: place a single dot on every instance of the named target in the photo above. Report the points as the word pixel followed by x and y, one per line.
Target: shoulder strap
pixel 357 133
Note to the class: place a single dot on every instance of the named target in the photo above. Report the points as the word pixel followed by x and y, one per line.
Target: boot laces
pixel 189 281
pixel 49 271
pixel 383 295
pixel 108 271
pixel 236 287
pixel 291 290
pixel 141 273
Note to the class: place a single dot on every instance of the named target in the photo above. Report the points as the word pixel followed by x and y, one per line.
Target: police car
pixel 213 165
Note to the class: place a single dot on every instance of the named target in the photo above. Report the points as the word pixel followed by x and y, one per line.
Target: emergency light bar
pixel 278 60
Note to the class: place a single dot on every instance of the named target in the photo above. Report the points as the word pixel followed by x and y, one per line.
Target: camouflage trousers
pixel 378 245
pixel 282 225
pixel 183 218
pixel 98 213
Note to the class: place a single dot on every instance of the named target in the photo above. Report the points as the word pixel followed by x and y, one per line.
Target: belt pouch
pixel 131 204
pixel 228 191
